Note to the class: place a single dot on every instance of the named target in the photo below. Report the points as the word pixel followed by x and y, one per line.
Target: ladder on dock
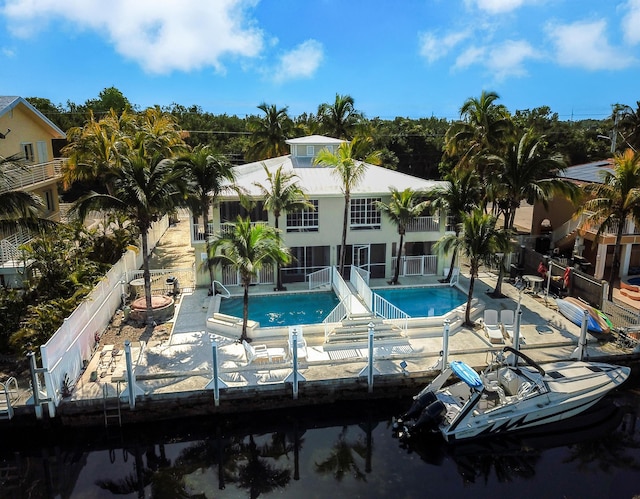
pixel 111 411
pixel 8 396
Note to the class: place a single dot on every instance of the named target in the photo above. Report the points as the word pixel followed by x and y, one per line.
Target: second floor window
pixel 27 152
pixel 304 220
pixel 365 214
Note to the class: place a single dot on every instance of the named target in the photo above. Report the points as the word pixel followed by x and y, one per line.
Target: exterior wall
pixel 24 128
pixel 559 211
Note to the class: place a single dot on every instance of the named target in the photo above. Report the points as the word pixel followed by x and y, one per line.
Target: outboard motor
pixel 416 408
pixel 429 419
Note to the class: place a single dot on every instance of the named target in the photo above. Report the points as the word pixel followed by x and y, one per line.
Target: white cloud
pixel 301 62
pixel 469 57
pixel 584 45
pixel 433 47
pixel 507 59
pixel 631 22
pixel 160 36
pixel 497 6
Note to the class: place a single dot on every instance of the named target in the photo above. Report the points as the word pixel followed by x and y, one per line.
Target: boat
pixel 573 309
pixel 506 398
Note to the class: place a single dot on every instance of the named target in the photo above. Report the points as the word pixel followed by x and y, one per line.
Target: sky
pixel 408 58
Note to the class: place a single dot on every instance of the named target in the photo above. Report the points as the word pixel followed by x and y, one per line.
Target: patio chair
pixel 507 320
pixel 491 326
pixel 302 343
pixel 260 353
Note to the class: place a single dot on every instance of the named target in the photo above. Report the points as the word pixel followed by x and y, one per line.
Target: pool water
pixel 283 309
pixel 425 301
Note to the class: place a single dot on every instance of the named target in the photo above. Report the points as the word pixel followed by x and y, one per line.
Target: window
pixel 27 152
pixel 306 259
pixel 48 200
pixel 365 214
pixel 310 150
pixel 230 210
pixel 304 220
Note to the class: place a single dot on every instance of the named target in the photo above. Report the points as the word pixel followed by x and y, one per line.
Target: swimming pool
pixel 424 301
pixel 283 309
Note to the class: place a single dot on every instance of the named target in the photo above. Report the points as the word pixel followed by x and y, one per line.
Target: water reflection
pixel 317 453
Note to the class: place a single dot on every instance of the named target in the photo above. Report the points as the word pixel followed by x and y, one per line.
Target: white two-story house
pixel 314 236
pixel 27 134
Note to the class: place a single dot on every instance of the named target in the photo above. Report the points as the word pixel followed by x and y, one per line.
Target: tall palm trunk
pixel 207 237
pixel 146 274
pixel 245 311
pixel 615 265
pixel 345 217
pixel 279 286
pixel 396 273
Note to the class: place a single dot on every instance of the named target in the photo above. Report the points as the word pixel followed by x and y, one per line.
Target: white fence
pixel 231 277
pixel 73 343
pixel 417 265
pixel 319 278
pixel 361 286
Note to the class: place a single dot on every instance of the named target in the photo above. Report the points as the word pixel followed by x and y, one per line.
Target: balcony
pixel 31 175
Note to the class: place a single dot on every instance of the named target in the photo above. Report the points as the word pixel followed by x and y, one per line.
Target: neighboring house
pixel 26 132
pixel 559 225
pixel 314 236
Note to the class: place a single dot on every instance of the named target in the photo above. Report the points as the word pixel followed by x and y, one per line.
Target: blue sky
pixel 411 58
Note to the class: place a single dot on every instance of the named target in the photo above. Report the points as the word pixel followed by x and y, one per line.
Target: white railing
pixel 417 265
pixel 231 276
pixel 10 246
pixel 340 311
pixel 383 308
pixel 8 395
pixel 226 294
pixel 424 224
pixel 320 278
pixel 19 178
pixel 574 224
pixel 361 285
pixel 339 286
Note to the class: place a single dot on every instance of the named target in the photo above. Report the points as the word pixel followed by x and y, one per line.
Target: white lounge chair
pixel 302 343
pixel 507 320
pixel 491 326
pixel 260 353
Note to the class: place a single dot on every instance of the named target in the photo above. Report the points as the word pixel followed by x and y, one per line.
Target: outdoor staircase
pixel 354 332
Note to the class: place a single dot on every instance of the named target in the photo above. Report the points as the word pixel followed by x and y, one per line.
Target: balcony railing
pixel 20 178
pixel 424 224
pixel 225 228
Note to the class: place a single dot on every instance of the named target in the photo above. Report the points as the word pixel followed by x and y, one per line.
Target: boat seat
pixel 509 381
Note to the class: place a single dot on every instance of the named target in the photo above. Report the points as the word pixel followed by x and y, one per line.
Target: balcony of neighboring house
pixel 577 226
pixel 29 177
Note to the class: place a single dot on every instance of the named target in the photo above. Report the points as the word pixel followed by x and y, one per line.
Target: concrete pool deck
pixel 176 373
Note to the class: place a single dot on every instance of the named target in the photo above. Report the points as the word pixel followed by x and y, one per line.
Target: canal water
pixel 336 451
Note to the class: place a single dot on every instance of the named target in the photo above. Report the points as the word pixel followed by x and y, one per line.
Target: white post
pixel 369 370
pixel 216 383
pixel 581 350
pixel 445 345
pixel 516 336
pixel 132 388
pixel 295 377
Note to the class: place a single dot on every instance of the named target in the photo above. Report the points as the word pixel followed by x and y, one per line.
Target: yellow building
pixel 25 132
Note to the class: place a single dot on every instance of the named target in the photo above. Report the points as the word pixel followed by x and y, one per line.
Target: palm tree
pixel 18 209
pixel 350 171
pixel 248 248
pixel 269 133
pixel 479 240
pixel 614 201
pixel 630 124
pixel 208 175
pixel 145 190
pixel 404 207
pixel 525 172
pixel 282 195
pixel 460 196
pixel 340 118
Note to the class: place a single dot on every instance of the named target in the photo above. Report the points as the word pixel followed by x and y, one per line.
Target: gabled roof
pixel 320 181
pixel 7 103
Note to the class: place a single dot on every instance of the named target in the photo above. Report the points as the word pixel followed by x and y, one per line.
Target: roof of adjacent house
pixel 9 102
pixel 315 140
pixel 588 172
pixel 322 181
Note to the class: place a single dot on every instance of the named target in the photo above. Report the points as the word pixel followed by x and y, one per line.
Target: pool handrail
pixel 340 311
pixel 227 292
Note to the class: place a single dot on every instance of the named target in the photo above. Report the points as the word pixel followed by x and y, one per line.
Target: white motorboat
pixel 506 398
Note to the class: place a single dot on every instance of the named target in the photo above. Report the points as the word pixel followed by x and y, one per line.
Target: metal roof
pixel 588 172
pixel 9 102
